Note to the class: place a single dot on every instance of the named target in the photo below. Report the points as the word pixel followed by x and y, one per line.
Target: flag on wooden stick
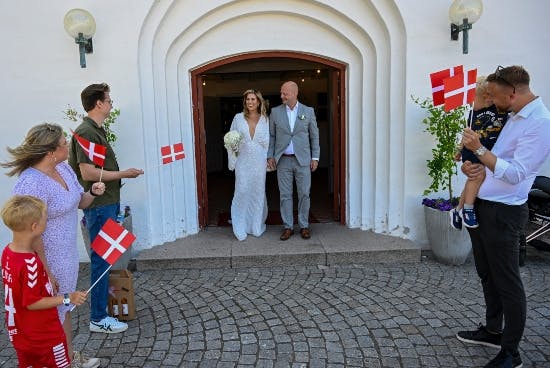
pixel 437 82
pixel 112 241
pixel 172 153
pixel 95 152
pixel 460 90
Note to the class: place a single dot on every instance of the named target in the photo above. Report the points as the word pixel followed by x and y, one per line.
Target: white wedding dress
pixel 249 205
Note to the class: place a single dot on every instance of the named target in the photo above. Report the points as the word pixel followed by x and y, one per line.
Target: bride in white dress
pixel 249 205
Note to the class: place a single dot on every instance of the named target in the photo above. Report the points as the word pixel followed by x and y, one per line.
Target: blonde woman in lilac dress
pixel 43 173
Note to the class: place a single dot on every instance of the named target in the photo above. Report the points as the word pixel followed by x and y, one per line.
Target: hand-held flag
pixel 437 82
pixel 112 241
pixel 460 90
pixel 96 152
pixel 172 153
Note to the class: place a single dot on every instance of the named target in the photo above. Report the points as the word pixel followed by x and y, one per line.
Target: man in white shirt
pixel 294 151
pixel 511 167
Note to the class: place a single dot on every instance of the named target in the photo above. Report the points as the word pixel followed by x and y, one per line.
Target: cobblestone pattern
pixel 346 316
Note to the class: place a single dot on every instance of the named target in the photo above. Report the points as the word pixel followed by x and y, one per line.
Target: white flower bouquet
pixel 232 140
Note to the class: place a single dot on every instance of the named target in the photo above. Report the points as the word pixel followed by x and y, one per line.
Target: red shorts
pixel 54 357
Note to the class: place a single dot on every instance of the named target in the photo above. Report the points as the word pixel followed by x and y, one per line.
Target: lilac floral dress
pixel 60 235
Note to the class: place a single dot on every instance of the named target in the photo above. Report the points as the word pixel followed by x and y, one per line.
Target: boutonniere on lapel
pixel 302 117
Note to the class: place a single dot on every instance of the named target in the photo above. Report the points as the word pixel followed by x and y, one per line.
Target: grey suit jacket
pixel 305 136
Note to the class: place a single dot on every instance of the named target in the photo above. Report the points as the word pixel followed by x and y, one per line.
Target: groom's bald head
pixel 289 93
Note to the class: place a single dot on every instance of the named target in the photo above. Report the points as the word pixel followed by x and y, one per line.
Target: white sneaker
pixel 81 361
pixel 108 325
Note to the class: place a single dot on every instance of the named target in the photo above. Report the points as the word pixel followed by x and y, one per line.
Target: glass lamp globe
pixel 461 9
pixel 79 21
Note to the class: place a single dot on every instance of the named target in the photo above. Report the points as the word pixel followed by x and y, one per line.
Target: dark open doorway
pixel 221 87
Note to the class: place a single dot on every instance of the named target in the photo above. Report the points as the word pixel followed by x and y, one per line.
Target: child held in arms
pixel 487 121
pixel 32 322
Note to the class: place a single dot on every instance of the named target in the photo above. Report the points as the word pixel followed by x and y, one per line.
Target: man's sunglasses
pixel 498 75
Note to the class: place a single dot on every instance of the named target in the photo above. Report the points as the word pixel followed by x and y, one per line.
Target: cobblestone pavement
pixel 403 315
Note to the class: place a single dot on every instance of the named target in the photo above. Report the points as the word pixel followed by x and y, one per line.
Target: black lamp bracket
pixel 85 46
pixel 456 29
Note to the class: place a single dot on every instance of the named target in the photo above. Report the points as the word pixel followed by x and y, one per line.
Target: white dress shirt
pixel 521 148
pixel 292 115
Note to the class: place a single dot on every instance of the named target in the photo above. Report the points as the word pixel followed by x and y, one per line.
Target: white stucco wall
pixel 508 33
pixel 41 74
pixel 145 50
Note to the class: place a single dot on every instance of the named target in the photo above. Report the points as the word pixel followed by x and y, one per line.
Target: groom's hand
pixel 313 165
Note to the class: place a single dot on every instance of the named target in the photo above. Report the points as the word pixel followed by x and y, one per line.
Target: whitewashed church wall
pixel 145 51
pixel 507 33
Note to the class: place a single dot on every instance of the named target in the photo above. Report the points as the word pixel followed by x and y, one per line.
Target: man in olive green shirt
pixel 97 102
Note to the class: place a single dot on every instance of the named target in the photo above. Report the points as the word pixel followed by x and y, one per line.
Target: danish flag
pixel 437 82
pixel 112 241
pixel 460 90
pixel 96 152
pixel 172 153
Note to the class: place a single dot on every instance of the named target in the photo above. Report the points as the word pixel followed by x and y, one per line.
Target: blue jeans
pixel 95 219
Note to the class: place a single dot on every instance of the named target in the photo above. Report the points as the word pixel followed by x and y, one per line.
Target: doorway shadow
pixel 221 186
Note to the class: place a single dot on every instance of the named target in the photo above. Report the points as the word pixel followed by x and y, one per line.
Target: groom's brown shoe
pixel 286 234
pixel 305 232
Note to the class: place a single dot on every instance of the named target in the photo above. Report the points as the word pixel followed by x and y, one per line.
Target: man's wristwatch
pixel 66 299
pixel 480 151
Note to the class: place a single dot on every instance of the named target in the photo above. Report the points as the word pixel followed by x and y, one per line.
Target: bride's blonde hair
pixel 261 107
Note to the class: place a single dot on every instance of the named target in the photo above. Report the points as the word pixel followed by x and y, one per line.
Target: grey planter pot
pixel 448 245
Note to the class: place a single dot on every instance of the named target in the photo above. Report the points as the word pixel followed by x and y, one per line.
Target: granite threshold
pixel 330 244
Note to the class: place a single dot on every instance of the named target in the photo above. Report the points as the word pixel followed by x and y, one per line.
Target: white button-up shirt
pixel 521 148
pixel 292 115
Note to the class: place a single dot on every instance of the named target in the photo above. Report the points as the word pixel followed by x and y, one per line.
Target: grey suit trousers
pixel 288 170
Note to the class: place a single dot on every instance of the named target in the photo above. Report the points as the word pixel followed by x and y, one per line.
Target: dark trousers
pixel 495 245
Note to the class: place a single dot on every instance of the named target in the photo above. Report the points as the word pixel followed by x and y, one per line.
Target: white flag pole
pixel 96 281
pixel 472 114
pixel 101 174
pixel 94 284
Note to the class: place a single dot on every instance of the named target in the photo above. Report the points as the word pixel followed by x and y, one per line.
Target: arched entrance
pixel 268 70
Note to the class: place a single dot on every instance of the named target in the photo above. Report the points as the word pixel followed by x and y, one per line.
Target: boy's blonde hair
pixel 21 211
pixel 481 85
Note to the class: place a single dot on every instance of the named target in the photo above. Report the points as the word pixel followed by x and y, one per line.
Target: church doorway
pixel 217 90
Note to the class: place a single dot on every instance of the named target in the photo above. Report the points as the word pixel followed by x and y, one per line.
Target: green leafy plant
pixel 73 115
pixel 445 127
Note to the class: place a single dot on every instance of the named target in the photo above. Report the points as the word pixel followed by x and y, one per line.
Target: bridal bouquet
pixel 232 140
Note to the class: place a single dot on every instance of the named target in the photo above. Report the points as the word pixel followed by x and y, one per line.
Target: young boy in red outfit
pixel 31 315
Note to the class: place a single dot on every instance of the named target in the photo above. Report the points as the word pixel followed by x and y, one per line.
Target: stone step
pixel 330 244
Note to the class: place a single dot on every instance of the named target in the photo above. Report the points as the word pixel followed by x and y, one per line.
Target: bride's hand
pixel 271 164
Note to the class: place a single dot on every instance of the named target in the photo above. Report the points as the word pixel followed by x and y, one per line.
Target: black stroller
pixel 539 215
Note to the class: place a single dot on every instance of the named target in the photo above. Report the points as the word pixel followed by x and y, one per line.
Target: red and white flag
pixel 112 241
pixel 437 82
pixel 460 90
pixel 172 153
pixel 95 152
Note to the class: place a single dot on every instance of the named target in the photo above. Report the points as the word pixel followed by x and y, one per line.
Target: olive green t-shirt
pixel 90 131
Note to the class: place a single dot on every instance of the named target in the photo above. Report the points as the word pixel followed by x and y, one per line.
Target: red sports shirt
pixel 26 282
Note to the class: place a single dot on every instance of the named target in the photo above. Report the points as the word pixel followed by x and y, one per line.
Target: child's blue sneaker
pixel 456 220
pixel 469 218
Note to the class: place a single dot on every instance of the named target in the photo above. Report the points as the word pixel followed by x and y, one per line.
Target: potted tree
pixel 448 245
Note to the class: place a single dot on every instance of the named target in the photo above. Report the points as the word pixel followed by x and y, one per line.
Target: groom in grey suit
pixel 294 151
